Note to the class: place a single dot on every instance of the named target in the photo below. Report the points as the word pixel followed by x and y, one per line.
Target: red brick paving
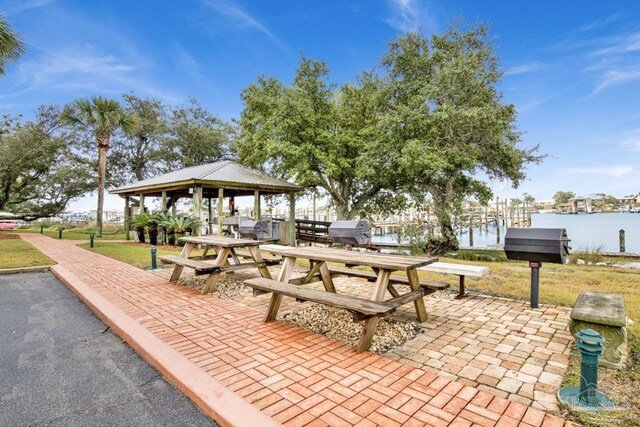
pixel 296 377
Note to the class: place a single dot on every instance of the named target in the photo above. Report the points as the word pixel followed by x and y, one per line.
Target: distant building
pixel 626 200
pixel 580 205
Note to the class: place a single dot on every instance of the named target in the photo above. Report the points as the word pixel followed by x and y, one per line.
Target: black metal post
pixel 461 291
pixel 535 282
pixel 91 240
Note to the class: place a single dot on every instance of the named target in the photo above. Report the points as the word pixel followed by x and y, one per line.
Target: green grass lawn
pixel 17 253
pixel 136 254
pixel 70 234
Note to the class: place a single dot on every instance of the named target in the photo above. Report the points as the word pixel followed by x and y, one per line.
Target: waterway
pixel 587 232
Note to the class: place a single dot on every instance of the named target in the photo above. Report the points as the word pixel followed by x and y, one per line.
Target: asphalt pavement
pixel 61 366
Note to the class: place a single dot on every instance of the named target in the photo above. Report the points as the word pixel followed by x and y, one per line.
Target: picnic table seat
pixel 199 266
pixel 430 285
pixel 268 259
pixel 364 307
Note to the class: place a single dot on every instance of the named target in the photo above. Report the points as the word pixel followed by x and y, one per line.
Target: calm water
pixel 585 231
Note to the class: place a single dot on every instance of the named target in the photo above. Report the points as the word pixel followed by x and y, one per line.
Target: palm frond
pixel 11 45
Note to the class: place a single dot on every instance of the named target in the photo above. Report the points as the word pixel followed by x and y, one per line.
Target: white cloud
pixel 621 45
pixel 16 7
pixel 406 15
pixel 53 68
pixel 614 171
pixel 599 23
pixel 524 68
pixel 614 78
pixel 84 70
pixel 614 62
pixel 632 140
pixel 236 13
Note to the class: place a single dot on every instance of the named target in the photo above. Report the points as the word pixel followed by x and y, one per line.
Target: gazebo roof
pixel 224 174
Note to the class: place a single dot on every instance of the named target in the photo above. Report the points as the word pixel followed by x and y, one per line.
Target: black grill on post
pixel 537 245
pixel 254 229
pixel 356 232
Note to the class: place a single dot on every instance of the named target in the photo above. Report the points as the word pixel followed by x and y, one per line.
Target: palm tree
pixel 11 45
pixel 102 117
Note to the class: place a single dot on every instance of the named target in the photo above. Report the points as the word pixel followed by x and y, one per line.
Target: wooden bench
pixel 604 313
pixel 363 308
pixel 206 268
pixel 268 260
pixel 429 285
pixel 460 270
pixel 199 266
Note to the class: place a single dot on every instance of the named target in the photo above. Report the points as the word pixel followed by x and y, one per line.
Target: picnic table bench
pixel 225 249
pixel 461 270
pixel 369 310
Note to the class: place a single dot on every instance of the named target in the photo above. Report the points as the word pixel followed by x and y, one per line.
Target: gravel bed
pixel 226 287
pixel 339 325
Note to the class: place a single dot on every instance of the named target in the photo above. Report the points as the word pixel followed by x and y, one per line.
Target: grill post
pixel 535 282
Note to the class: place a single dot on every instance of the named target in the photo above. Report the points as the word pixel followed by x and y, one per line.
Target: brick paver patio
pixel 300 378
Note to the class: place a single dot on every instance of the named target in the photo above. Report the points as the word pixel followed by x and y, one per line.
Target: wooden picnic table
pixel 224 248
pixel 369 310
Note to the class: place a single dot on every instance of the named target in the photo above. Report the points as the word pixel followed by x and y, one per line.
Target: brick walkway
pixel 293 375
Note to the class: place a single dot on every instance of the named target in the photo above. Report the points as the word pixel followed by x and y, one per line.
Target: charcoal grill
pixel 537 245
pixel 256 230
pixel 354 232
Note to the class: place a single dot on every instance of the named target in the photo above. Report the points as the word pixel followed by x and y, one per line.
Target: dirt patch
pixel 339 325
pixel 6 236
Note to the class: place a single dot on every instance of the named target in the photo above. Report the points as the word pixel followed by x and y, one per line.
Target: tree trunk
pixel 102 171
pixel 342 211
pixel 448 241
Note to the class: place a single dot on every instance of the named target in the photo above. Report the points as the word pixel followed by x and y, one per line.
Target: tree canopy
pixel 562 197
pixel 39 171
pixel 137 156
pixel 194 136
pixel 323 136
pixel 434 126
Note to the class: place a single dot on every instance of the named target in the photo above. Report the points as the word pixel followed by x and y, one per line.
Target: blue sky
pixel 573 67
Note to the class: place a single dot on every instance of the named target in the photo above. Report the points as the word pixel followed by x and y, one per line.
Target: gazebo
pixel 209 181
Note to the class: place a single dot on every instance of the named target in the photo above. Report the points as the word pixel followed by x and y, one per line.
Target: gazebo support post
pixel 141 207
pixel 220 202
pixel 292 218
pixel 256 205
pixel 197 207
pixel 210 225
pixel 174 202
pixel 164 201
pixel 127 235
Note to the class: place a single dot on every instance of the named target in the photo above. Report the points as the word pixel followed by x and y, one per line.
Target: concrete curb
pixel 221 404
pixel 35 269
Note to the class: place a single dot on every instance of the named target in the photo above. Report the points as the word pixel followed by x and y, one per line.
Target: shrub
pixel 589 255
